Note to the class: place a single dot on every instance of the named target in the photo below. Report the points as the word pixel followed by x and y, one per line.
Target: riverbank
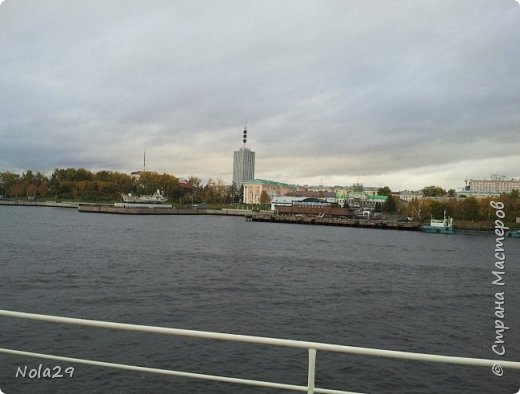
pixel 40 203
pixel 128 210
pixel 262 216
pixel 158 210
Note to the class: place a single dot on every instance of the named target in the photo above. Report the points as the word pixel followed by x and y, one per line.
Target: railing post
pixel 311 371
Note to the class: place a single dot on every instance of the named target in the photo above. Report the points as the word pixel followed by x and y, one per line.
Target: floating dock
pixel 337 221
pixel 156 209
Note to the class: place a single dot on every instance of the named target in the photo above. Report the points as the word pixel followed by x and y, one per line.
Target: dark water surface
pixel 372 288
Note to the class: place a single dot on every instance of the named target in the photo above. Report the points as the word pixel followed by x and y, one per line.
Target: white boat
pixel 157 197
pixel 444 226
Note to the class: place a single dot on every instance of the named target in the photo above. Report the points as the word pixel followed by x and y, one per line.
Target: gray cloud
pixel 388 92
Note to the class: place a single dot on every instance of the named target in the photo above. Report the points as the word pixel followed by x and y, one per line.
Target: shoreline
pixel 157 210
pixel 111 209
pixel 52 204
pixel 106 208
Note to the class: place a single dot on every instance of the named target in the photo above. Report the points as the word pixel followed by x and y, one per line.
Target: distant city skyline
pixel 401 94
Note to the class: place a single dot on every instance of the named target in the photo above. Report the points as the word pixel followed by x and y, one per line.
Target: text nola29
pixel 44 372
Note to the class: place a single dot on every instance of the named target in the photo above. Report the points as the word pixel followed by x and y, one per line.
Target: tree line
pixel 436 201
pixel 84 185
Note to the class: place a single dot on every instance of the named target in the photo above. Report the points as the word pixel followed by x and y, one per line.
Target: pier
pixel 27 203
pixel 156 209
pixel 387 224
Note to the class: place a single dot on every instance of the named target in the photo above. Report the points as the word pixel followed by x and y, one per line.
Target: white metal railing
pixel 311 347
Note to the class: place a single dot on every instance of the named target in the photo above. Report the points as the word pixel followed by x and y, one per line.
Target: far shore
pixel 263 216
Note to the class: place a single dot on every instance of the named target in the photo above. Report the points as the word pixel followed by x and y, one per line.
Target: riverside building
pixel 243 164
pixel 496 185
pixel 253 190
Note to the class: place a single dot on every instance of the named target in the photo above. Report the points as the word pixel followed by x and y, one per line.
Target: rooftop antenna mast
pixel 144 170
pixel 244 139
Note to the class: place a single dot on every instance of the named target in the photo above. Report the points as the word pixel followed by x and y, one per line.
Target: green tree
pixel 433 191
pixel 471 208
pixel 390 205
pixel 241 194
pixel 7 181
pixel 432 208
pixel 357 188
pixel 169 186
pixel 511 204
pixel 28 177
pixel 83 175
pixel 40 178
pixel 384 191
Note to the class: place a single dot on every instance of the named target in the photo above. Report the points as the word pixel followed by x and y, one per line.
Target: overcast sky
pixel 398 93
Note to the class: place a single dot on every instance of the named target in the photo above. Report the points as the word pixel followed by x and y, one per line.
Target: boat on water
pixel 513 233
pixel 444 226
pixel 157 197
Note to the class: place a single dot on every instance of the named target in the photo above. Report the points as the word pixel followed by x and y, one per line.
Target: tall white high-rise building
pixel 243 164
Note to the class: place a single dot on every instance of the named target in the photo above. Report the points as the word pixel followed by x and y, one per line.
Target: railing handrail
pixel 311 347
pixel 265 340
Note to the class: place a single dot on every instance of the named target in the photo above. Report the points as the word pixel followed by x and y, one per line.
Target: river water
pixel 394 290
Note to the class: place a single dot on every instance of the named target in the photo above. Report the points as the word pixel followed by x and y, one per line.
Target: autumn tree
pixel 31 190
pixel 195 187
pixel 413 208
pixel 43 189
pixel 17 190
pixel 264 198
pixel 453 208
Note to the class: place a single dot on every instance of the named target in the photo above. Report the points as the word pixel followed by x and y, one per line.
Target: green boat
pixel 513 233
pixel 444 226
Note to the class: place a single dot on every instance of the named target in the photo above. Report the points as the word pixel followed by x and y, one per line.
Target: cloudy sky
pixel 399 93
